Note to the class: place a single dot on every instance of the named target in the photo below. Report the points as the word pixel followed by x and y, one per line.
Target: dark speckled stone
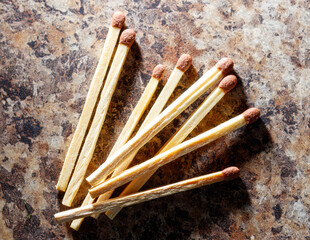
pixel 48 53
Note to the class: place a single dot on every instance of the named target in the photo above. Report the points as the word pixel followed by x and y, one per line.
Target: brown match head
pixel 225 65
pixel 231 173
pixel 127 37
pixel 118 19
pixel 251 115
pixel 184 62
pixel 228 83
pixel 159 71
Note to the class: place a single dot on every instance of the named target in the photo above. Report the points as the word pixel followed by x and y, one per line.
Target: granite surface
pixel 48 53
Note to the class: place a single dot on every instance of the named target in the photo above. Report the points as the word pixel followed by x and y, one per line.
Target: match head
pixel 159 71
pixel 228 83
pixel 225 65
pixel 184 62
pixel 231 173
pixel 251 115
pixel 118 19
pixel 127 37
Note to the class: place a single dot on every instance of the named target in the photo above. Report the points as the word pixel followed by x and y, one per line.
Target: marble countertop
pixel 48 54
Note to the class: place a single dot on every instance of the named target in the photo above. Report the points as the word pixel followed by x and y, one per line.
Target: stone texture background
pixel 48 54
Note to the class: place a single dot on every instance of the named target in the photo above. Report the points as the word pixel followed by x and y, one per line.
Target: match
pixel 225 175
pixel 133 120
pixel 223 67
pixel 118 20
pixel 76 224
pixel 126 40
pixel 247 117
pixel 183 63
pixel 226 84
pixel 141 106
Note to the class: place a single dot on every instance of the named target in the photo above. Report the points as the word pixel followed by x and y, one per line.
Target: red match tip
pixel 231 173
pixel 251 115
pixel 159 71
pixel 118 19
pixel 184 62
pixel 225 65
pixel 127 37
pixel 228 83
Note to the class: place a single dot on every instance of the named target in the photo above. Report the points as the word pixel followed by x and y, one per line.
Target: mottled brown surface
pixel 48 53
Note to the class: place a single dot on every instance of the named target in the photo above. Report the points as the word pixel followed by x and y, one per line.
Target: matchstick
pixel 150 165
pixel 228 83
pixel 141 106
pixel 76 224
pixel 118 20
pixel 133 120
pixel 126 40
pixel 183 63
pixel 224 175
pixel 224 66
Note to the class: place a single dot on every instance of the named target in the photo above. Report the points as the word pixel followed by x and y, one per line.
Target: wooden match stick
pixel 118 20
pixel 76 224
pixel 183 63
pixel 150 165
pixel 126 40
pixel 133 120
pixel 225 175
pixel 223 67
pixel 137 113
pixel 228 83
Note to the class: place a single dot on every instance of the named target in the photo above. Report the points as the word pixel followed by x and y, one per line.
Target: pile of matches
pixel 114 171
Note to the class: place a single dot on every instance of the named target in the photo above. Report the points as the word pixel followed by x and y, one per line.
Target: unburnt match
pixel 118 20
pixel 225 175
pixel 223 67
pixel 183 63
pixel 226 84
pixel 138 111
pixel 133 120
pixel 150 165
pixel 77 222
pixel 126 40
